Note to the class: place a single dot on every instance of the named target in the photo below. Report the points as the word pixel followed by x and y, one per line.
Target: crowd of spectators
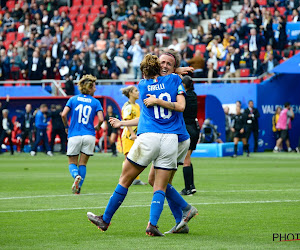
pixel 40 40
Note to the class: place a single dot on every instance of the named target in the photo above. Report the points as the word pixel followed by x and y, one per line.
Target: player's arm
pixel 100 119
pixel 184 70
pixel 116 123
pixel 132 134
pixel 64 117
pixel 179 105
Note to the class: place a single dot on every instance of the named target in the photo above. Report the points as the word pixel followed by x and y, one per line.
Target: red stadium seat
pixel 281 10
pixel 78 26
pixel 220 64
pixel 262 55
pixel 201 47
pixel 95 9
pixel 74 10
pixel 6 43
pixel 11 36
pixel 98 3
pixel 76 33
pixel 297 51
pixel 91 18
pixel 120 25
pixel 192 47
pixel 103 9
pixel 229 21
pixel 158 16
pixel 81 18
pixel 272 10
pixel 129 33
pixel 72 18
pixel 85 10
pixel 10 5
pixel 245 72
pixel 85 32
pixel 114 23
pixel 20 36
pixel 290 18
pixel 87 2
pixel 142 32
pixel 179 24
pixel 129 83
pixel 77 2
pixel 63 9
pixel 262 2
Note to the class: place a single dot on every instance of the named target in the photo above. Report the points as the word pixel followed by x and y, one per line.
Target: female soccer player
pixel 81 134
pixel 130 110
pixel 192 126
pixel 157 141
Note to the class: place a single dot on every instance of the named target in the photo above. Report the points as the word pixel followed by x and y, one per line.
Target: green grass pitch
pixel 241 203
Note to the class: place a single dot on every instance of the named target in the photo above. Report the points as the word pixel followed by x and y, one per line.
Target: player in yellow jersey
pixel 130 110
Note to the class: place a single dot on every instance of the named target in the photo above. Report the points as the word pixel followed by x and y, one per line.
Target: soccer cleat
pixel 98 221
pixel 153 230
pixel 49 153
pixel 290 150
pixel 75 186
pixel 138 182
pixel 186 217
pixel 186 192
pixel 275 150
pixel 297 150
pixel 248 154
pixel 32 153
pixel 183 230
pixel 78 192
pixel 193 189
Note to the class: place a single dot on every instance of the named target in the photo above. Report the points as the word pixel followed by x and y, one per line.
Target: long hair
pixel 188 82
pixel 126 91
pixel 150 66
pixel 86 83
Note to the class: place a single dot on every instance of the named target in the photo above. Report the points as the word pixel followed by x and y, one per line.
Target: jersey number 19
pixel 83 113
pixel 161 109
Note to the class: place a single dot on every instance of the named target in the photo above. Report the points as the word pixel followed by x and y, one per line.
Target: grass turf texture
pixel 241 203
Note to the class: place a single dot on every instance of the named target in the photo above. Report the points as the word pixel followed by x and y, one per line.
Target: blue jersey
pixel 157 119
pixel 84 108
pixel 41 120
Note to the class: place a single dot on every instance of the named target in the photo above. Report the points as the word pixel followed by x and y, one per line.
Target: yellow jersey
pixel 130 111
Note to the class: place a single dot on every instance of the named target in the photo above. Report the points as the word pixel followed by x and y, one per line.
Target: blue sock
pixel 157 206
pixel 176 210
pixel 173 195
pixel 82 173
pixel 73 170
pixel 114 203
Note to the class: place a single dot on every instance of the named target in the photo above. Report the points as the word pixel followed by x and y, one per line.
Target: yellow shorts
pixel 126 145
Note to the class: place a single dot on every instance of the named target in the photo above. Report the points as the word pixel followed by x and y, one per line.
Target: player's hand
pixel 150 101
pixel 133 137
pixel 114 122
pixel 97 127
pixel 233 130
pixel 242 131
pixel 184 70
pixel 66 130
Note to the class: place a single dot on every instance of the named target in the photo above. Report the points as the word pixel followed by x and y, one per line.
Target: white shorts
pixel 81 144
pixel 162 149
pixel 183 148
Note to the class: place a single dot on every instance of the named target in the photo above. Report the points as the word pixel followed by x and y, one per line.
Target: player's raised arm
pixel 179 105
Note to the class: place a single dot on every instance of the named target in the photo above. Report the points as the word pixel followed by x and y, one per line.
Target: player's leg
pixel 255 135
pixel 38 139
pixel 245 145
pixel 187 174
pixel 11 145
pixel 46 142
pixel 112 141
pixel 235 141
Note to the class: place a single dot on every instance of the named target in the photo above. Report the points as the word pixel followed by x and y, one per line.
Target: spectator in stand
pixel 34 9
pixel 200 35
pixel 252 116
pixel 190 36
pixel 17 13
pixel 126 41
pixel 255 66
pixel 198 63
pixel 164 30
pixel 206 4
pixel 93 33
pixel 216 48
pixel 267 28
pixel 255 42
pixel 233 63
pixel 46 40
pixel 104 66
pixel 99 20
pixel 15 64
pixel 121 63
pixel 2 107
pixel 26 121
pixel 284 123
pixel 185 51
pixel 5 61
pixel 50 65
pixel 111 51
pixel 269 50
pixel 64 65
pixel 137 56
pixel 245 57
pixel 213 59
pixel 25 28
pixel 295 16
pixel 282 39
pixel 45 18
pixel 290 6
pixel 69 85
pixel 41 124
pixel 58 128
pixel 138 38
pixel 121 10
pixel 55 50
pixel 132 24
pixel 113 38
pixel 150 25
pixel 112 28
pixel 77 43
pixel 8 23
pixel 210 72
pixel 36 67
pixel 7 128
pixel 170 10
pixel 270 63
pixel 175 45
pixel 101 44
pixel 190 13
pixel 92 61
pixel 64 18
pixel 86 42
pixel 67 30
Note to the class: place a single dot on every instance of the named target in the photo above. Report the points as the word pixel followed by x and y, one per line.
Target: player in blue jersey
pixel 157 141
pixel 81 133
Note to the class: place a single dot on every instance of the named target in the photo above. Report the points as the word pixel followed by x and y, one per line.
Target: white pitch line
pixel 199 191
pixel 134 206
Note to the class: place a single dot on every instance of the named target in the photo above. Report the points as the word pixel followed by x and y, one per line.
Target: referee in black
pixel 192 126
pixel 238 129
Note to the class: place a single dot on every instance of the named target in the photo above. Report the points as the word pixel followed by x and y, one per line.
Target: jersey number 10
pixel 161 109
pixel 84 113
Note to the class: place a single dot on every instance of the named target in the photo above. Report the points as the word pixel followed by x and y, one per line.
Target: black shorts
pixel 194 135
pixel 284 134
pixel 237 134
pixel 112 130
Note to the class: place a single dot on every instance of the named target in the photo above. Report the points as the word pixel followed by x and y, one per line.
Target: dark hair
pixel 287 104
pixel 250 101
pixel 188 82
